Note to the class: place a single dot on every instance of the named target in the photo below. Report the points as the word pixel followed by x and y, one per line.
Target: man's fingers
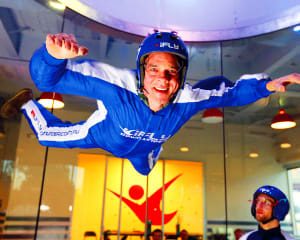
pixel 280 87
pixel 58 42
pixel 286 83
pixel 293 78
pixel 295 75
pixel 62 35
pixel 50 39
pixel 83 51
pixel 74 48
pixel 63 39
pixel 72 37
pixel 68 44
pixel 280 84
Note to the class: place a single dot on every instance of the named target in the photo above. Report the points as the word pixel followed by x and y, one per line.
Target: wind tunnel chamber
pixel 88 193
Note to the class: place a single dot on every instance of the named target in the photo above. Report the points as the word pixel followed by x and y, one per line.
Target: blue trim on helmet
pixel 283 206
pixel 161 42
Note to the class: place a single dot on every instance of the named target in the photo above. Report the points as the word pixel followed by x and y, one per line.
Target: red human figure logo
pixel 154 214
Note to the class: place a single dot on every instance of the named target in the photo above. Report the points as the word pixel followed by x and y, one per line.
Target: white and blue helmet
pixel 281 209
pixel 162 42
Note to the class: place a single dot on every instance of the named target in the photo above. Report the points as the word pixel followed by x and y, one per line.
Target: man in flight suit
pixel 138 110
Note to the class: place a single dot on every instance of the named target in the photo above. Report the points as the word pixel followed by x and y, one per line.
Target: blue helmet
pixel 282 207
pixel 162 42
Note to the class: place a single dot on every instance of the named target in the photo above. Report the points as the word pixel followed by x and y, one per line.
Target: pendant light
pixel 51 100
pixel 212 115
pixel 283 121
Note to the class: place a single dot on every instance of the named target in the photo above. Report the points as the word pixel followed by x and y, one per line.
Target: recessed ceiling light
pixel 57 5
pixel 284 142
pixel 296 28
pixel 44 207
pixel 253 154
pixel 184 149
pixel 285 145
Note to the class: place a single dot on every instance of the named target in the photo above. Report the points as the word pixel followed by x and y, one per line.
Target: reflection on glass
pixel 88 198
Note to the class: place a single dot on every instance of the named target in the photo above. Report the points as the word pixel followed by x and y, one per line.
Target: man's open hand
pixel 279 84
pixel 64 46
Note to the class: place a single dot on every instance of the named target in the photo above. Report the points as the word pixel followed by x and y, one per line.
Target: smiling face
pixel 161 80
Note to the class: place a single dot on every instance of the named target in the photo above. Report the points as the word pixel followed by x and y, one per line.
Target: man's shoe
pixel 13 105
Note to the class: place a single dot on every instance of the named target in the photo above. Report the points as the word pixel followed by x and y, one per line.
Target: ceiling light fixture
pixel 283 121
pixel 44 207
pixel 284 142
pixel 296 28
pixel 57 5
pixel 184 149
pixel 212 115
pixel 253 152
pixel 51 100
pixel 285 145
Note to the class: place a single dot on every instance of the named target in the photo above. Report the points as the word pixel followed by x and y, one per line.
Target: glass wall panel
pixel 25 185
pixel 22 157
pixel 247 128
pixel 184 193
pixel 88 200
pixel 294 177
pixel 204 140
pixel 133 212
pixel 112 193
pixel 64 174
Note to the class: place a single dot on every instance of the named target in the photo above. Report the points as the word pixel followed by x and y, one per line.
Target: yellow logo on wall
pixel 109 191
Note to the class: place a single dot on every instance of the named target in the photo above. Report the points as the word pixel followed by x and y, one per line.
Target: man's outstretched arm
pixel 52 70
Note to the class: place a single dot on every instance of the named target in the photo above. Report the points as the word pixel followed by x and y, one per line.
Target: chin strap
pixel 272 218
